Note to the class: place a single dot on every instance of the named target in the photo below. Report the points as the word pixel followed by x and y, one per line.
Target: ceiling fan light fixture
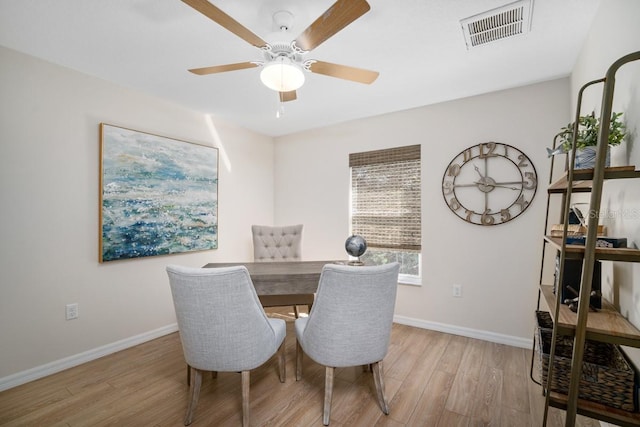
pixel 282 75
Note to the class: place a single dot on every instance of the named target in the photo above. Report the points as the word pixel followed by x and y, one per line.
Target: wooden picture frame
pixel 158 195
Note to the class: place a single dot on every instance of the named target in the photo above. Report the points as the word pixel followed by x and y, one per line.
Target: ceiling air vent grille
pixel 507 21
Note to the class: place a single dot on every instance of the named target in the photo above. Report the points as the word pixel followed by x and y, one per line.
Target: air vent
pixel 510 20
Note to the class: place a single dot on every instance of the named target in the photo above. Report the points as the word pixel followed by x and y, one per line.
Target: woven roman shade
pixel 385 197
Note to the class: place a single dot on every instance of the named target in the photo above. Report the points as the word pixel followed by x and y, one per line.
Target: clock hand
pixel 475 184
pixel 496 185
pixel 509 182
pixel 506 186
pixel 478 170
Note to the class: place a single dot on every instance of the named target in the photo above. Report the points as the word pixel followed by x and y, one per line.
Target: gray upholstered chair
pixel 274 244
pixel 349 324
pixel 223 327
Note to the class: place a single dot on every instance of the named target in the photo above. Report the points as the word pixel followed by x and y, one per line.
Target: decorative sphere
pixel 355 245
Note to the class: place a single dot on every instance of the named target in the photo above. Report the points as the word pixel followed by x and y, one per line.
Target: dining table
pixel 282 278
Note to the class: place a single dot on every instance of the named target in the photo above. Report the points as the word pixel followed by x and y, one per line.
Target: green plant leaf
pixel 588 130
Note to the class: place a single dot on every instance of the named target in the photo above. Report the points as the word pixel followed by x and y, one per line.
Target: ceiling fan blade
pixel 222 68
pixel 344 72
pixel 221 18
pixel 288 96
pixel 334 19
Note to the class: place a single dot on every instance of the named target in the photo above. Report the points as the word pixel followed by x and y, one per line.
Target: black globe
pixel 355 245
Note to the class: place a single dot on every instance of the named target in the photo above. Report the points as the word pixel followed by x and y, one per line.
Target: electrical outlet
pixel 457 291
pixel 72 311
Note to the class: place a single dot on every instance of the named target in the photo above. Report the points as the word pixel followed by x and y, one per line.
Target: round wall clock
pixel 489 183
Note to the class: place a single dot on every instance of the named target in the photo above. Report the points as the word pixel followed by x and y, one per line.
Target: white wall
pixel 615 33
pixel 498 266
pixel 49 167
pixel 49 163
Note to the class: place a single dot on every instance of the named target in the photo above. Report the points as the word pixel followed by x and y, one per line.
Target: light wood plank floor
pixel 431 379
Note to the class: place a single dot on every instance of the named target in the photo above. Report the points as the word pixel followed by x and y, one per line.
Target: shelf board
pixel 607 324
pixel 582 178
pixel 597 410
pixel 604 254
pixel 560 186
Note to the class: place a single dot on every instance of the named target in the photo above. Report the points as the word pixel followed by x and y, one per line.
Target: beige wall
pixel 498 266
pixel 49 166
pixel 615 33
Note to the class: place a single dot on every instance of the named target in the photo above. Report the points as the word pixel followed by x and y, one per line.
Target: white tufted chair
pixel 274 244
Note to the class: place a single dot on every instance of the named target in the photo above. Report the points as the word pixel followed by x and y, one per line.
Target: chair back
pixel 350 322
pixel 273 244
pixel 221 322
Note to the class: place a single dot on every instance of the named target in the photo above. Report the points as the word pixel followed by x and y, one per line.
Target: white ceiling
pixel 416 45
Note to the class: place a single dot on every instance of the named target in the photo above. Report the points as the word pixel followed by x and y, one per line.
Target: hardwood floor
pixel 431 379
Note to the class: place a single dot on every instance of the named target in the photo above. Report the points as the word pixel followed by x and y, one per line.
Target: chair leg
pixel 195 394
pixel 246 381
pixel 328 392
pixel 379 382
pixel 214 375
pixel 282 365
pixel 298 361
pixel 295 311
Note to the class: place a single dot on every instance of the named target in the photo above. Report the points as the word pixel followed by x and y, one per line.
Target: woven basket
pixel 607 377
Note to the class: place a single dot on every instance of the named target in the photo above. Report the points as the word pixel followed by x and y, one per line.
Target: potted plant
pixel 587 138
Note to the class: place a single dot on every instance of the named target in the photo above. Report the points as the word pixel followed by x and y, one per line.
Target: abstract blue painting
pixel 158 196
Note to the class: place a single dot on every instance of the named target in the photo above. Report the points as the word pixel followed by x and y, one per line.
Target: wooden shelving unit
pixel 605 324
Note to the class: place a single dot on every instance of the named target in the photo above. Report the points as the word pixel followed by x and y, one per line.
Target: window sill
pixel 410 280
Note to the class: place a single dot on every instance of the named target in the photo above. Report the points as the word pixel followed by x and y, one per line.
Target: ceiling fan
pixel 284 62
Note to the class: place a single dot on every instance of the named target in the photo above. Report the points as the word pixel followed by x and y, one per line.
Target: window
pixel 385 207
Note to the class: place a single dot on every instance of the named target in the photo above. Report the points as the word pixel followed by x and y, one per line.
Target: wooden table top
pixel 275 278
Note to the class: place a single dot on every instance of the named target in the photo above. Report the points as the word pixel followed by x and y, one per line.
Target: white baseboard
pixel 32 374
pixel 87 356
pixel 466 332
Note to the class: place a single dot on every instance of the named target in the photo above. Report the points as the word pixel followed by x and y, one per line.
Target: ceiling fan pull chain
pixel 280 110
